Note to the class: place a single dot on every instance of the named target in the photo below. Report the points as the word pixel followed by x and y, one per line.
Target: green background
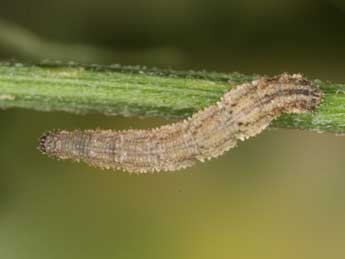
pixel 279 195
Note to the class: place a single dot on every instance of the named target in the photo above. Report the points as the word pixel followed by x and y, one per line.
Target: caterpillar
pixel 242 112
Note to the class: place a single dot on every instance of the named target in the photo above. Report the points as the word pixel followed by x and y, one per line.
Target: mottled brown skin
pixel 243 112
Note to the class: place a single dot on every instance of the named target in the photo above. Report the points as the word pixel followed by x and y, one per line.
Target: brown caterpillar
pixel 243 112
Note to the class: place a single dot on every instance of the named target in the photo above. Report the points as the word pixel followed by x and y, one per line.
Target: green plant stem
pixel 137 91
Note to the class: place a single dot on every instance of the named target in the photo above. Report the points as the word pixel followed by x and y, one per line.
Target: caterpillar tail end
pixel 42 143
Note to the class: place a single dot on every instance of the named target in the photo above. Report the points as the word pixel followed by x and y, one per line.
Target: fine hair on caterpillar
pixel 243 112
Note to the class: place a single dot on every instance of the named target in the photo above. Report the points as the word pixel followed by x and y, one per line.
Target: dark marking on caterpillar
pixel 243 112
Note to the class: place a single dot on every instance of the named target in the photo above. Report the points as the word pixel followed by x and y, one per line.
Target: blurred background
pixel 279 195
